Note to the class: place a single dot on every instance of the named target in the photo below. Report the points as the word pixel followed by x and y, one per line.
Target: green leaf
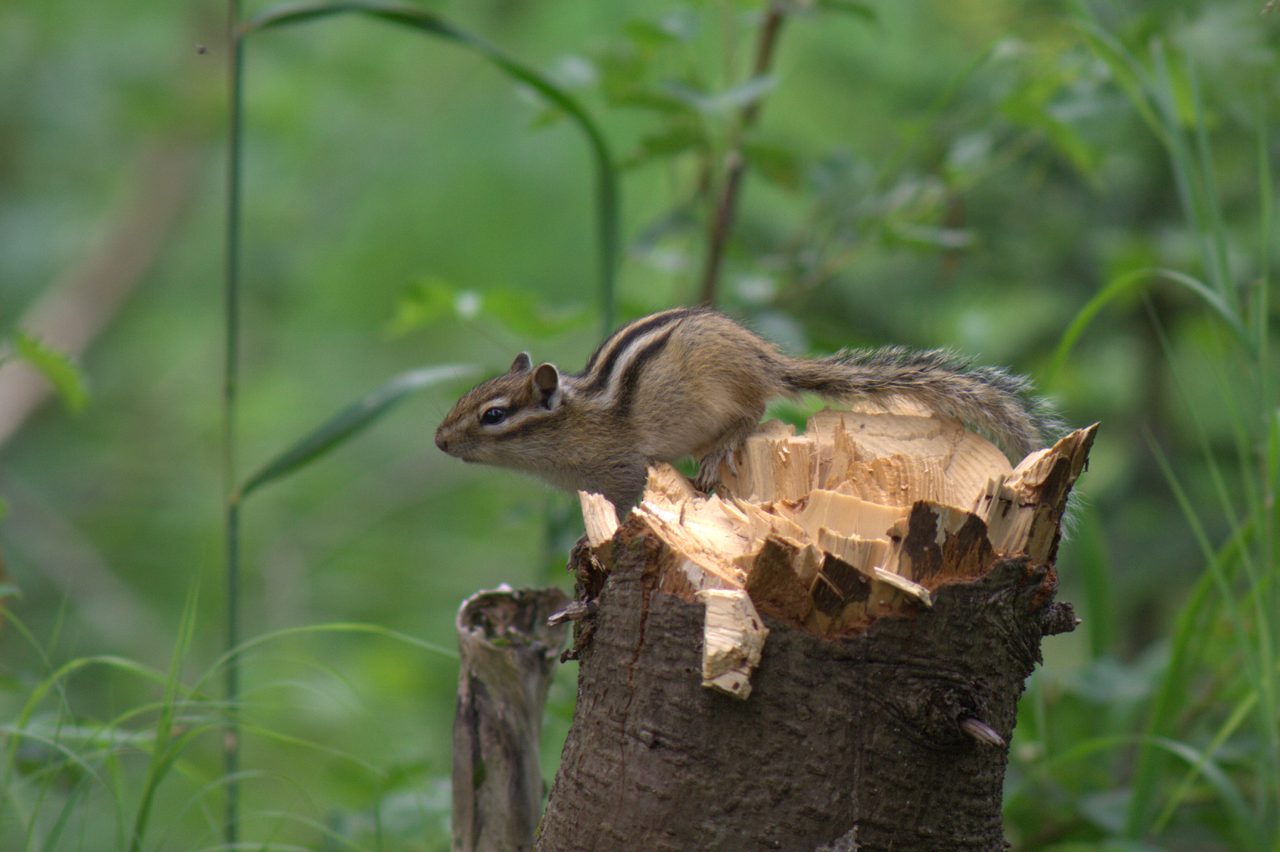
pixel 434 299
pixel 671 28
pixel 669 142
pixel 1127 71
pixel 522 312
pixel 428 301
pixel 725 101
pixel 864 11
pixel 775 163
pixel 350 421
pixel 1061 135
pixel 660 100
pixel 1203 765
pixel 57 367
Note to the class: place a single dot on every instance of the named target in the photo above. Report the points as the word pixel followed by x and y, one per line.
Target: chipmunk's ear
pixel 521 364
pixel 546 384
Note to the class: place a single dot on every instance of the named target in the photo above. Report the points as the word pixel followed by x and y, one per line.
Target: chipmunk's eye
pixel 493 416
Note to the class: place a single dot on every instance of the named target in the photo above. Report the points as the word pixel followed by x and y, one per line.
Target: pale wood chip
pixel 598 517
pixel 732 642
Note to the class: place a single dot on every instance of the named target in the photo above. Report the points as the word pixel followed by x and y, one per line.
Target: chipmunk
pixel 692 381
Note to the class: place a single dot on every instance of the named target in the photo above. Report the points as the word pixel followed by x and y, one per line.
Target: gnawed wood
pixel 598 516
pixel 1023 511
pixel 860 517
pixel 733 637
pixel 889 459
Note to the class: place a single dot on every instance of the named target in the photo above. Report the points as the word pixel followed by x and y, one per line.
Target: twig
pixel 736 164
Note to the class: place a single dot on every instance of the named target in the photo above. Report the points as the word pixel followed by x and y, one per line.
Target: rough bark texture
pixel 844 744
pixel 508 653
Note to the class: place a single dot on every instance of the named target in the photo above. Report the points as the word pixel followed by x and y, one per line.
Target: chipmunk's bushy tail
pixel 996 402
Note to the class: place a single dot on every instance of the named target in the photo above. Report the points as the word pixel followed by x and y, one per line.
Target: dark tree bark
pixel 891 739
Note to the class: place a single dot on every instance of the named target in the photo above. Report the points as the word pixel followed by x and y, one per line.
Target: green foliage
pixel 430 23
pixel 112 775
pixel 1085 193
pixel 436 301
pixel 67 379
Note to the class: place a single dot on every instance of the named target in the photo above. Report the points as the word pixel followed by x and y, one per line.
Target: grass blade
pixel 1128 72
pixel 1198 762
pixel 1097 574
pixel 1141 816
pixel 1236 803
pixel 349 422
pixel 1134 282
pixel 162 755
pixel 331 627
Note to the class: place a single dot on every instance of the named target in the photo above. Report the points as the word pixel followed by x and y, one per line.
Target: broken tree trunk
pixel 826 656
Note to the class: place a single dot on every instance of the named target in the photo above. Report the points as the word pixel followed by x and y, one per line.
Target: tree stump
pixel 827 655
pixel 507 652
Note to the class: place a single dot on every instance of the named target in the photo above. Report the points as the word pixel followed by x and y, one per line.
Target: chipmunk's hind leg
pixel 722 451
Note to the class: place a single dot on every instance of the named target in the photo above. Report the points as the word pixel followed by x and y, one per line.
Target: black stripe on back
pixel 631 380
pixel 625 336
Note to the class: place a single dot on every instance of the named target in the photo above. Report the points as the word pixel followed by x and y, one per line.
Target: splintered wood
pixel 860 517
pixel 733 641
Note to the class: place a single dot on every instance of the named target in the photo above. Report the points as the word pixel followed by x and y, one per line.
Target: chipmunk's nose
pixel 442 443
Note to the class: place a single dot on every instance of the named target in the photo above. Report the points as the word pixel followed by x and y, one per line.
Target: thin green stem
pixel 231 373
pixel 1267 461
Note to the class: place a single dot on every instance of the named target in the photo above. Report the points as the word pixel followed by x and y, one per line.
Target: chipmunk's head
pixel 508 420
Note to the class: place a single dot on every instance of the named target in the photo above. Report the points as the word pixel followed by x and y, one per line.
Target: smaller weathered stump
pixel 507 657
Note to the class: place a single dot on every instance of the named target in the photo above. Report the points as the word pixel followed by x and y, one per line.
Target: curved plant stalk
pixel 1199 762
pixel 331 627
pixel 1135 282
pixel 607 197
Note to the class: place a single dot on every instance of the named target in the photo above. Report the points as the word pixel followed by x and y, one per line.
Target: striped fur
pixel 691 381
pixel 1000 404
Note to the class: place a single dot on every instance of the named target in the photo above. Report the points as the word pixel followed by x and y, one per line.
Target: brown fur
pixel 694 382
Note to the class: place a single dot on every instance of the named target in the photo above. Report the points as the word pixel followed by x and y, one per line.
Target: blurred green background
pixel 993 176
